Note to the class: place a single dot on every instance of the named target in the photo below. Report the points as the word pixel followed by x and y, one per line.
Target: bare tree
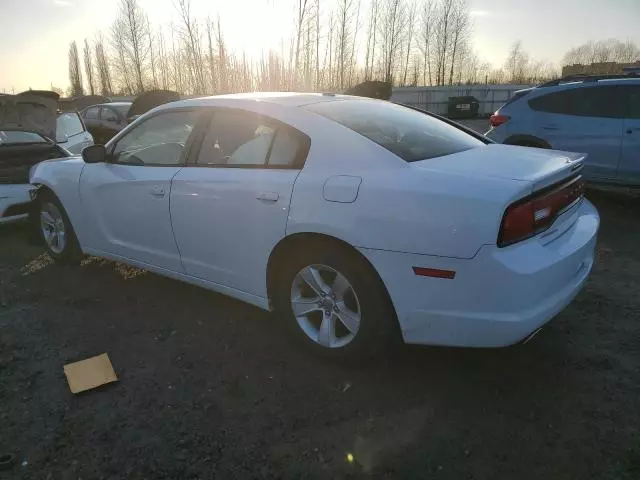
pixel 75 73
pixel 460 25
pixel 102 67
pixel 427 21
pixel 153 55
pixel 371 39
pixel 129 37
pixel 343 37
pixel 301 14
pixel 393 24
pixel 191 37
pixel 88 67
pixel 516 64
pixel 222 58
pixel 411 12
pixel 602 51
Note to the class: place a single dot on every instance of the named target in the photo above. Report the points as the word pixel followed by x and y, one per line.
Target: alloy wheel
pixel 53 228
pixel 326 306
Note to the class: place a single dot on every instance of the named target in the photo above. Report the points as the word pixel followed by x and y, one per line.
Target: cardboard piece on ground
pixel 89 373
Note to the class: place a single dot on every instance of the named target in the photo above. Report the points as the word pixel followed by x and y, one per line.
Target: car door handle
pixel 631 130
pixel 157 191
pixel 268 196
pixel 550 127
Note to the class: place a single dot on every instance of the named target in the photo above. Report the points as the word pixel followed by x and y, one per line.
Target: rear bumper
pixel 497 298
pixel 15 202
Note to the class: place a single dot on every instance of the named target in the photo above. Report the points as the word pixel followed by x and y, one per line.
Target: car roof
pixel 291 99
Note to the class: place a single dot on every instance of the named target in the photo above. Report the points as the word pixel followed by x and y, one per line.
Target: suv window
pixel 630 97
pixel 91 113
pixel 239 138
pixel 597 101
pixel 108 115
pixel 410 134
pixel 160 140
pixel 69 124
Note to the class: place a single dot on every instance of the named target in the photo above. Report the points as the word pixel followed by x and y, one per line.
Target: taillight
pixel 536 213
pixel 496 119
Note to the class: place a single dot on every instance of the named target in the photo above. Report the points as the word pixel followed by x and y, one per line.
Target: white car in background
pixel 354 219
pixel 28 133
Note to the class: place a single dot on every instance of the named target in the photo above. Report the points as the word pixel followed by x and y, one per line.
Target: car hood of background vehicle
pixel 539 166
pixel 31 111
pixel 148 100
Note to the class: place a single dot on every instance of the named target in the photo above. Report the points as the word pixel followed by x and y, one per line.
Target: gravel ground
pixel 210 387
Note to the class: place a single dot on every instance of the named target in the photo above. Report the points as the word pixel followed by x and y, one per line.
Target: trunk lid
pixel 540 167
pixel 31 111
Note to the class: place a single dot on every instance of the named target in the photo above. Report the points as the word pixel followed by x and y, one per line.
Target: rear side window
pixel 91 113
pixel 410 134
pixel 237 138
pixel 69 124
pixel 583 102
pixel 631 99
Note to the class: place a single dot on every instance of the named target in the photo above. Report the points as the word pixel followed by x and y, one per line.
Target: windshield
pixel 410 134
pixel 13 137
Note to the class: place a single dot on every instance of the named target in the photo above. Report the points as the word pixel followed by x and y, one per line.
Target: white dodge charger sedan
pixel 354 219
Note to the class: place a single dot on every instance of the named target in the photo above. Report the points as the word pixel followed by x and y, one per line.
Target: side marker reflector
pixel 434 272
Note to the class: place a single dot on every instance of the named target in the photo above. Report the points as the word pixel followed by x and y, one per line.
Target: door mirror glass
pixel 94 154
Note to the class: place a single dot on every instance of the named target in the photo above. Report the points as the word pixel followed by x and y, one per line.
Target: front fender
pixel 62 177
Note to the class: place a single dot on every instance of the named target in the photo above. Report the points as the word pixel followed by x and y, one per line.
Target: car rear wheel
pixel 55 230
pixel 335 303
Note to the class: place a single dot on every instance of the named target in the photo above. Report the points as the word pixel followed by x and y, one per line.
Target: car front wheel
pixel 55 230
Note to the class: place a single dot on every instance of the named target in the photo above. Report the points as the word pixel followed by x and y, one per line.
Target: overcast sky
pixel 35 34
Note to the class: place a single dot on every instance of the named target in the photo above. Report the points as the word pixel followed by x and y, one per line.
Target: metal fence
pixel 436 99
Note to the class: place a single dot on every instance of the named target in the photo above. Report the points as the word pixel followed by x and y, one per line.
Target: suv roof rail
pixel 584 77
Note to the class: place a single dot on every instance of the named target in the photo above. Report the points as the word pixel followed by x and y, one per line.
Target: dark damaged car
pixel 27 137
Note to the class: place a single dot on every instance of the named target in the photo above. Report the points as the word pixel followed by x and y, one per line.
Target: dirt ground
pixel 210 387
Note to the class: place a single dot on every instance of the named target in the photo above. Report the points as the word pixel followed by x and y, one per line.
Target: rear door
pixel 229 206
pixel 585 120
pixel 629 166
pixel 127 198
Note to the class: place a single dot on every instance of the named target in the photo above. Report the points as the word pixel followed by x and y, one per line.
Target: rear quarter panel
pixel 399 207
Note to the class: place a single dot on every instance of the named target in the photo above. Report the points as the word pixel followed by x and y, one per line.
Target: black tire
pixel 378 326
pixel 70 253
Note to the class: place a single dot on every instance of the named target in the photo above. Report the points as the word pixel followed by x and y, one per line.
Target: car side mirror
pixel 94 154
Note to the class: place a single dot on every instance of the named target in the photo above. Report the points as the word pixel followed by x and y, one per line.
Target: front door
pixel 230 204
pixel 127 199
pixel 629 166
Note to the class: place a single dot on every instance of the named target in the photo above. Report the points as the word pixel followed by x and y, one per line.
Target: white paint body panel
pixel 217 227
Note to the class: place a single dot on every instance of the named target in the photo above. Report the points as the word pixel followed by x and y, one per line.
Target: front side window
pixel 410 134
pixel 597 101
pixel 238 138
pixel 160 140
pixel 69 124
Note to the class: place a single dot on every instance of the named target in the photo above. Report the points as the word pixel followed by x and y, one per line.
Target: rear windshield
pixel 410 134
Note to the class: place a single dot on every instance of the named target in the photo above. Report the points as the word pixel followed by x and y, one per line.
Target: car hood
pixel 539 166
pixel 31 111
